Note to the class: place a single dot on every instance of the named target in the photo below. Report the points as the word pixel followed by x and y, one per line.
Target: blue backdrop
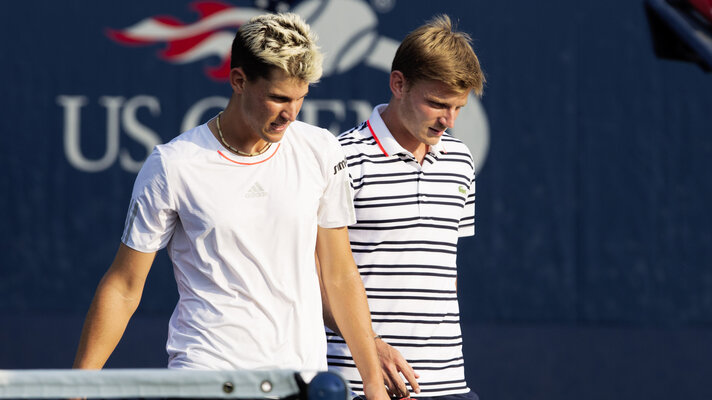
pixel 589 275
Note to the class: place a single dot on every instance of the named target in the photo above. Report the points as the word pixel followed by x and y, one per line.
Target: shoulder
pixel 188 144
pixel 319 143
pixel 357 140
pixel 457 150
pixel 453 144
pixel 303 134
pixel 456 146
pixel 168 159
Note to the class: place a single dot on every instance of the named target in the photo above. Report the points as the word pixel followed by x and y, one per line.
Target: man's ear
pixel 397 84
pixel 238 79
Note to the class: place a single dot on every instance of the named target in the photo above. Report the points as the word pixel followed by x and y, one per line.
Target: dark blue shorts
pixel 462 396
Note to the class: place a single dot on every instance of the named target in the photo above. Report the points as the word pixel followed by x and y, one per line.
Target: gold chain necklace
pixel 242 153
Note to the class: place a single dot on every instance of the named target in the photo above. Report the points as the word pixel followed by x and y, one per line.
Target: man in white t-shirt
pixel 242 203
pixel 414 195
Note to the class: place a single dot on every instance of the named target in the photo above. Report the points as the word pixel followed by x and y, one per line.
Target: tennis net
pixel 169 384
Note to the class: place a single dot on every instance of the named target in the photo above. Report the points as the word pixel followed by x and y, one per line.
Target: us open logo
pixel 348 34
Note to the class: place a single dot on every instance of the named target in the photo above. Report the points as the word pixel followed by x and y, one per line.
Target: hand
pixel 393 363
pixel 375 392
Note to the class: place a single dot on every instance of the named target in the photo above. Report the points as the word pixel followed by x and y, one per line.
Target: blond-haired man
pixel 241 203
pixel 414 194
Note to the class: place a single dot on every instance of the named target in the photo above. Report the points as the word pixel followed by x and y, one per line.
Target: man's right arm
pixel 116 299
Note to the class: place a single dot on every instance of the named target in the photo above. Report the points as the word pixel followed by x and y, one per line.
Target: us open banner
pixel 99 85
pixel 349 36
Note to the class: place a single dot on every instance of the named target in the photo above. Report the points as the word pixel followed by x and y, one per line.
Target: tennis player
pixel 241 203
pixel 414 194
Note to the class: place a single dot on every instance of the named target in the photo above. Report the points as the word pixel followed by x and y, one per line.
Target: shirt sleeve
pixel 467 220
pixel 336 206
pixel 151 216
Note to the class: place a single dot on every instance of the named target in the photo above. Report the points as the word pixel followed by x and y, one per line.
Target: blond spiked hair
pixel 281 41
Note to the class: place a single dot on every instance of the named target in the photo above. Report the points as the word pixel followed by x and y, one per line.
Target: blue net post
pixel 327 386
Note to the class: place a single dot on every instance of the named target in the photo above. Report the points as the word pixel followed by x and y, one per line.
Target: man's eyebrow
pixel 441 102
pixel 285 97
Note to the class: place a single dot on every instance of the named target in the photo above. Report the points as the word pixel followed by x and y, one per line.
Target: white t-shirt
pixel 241 232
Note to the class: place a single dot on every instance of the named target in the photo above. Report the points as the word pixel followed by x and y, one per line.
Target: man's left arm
pixel 346 298
pixel 392 361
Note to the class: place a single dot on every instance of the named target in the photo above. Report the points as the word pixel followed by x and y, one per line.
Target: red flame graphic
pixel 210 35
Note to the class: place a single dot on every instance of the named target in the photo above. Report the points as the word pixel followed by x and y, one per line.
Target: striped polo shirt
pixel 409 218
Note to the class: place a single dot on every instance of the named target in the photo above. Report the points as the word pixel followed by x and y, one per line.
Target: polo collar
pixel 386 142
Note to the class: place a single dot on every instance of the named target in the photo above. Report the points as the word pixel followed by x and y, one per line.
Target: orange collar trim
pixel 254 163
pixel 376 137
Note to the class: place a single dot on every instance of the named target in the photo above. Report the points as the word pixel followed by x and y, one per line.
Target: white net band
pixel 146 383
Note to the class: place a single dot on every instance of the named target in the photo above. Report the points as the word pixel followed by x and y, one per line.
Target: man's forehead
pixel 444 94
pixel 280 82
pixel 437 88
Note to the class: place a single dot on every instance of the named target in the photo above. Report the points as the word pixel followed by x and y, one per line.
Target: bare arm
pixel 392 361
pixel 346 297
pixel 115 301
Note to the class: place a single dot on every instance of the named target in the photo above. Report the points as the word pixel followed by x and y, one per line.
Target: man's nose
pixel 290 111
pixel 448 118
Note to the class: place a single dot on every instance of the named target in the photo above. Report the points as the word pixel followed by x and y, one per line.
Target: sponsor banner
pixel 593 181
pixel 96 86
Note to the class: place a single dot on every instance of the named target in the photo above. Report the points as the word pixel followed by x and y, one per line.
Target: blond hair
pixel 283 41
pixel 435 51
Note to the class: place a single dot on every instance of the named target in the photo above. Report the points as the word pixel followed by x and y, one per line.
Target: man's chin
pixel 432 140
pixel 273 132
pixel 272 137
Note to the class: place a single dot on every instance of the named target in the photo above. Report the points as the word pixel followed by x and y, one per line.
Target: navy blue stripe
pixel 412 321
pixel 408 203
pixel 397 290
pixel 405 196
pixel 403 344
pixel 406 242
pixel 467 178
pixel 425 344
pixel 384 161
pixel 384 221
pixel 402 266
pixel 417 314
pixel 409 249
pixel 416 361
pixel 408 274
pixel 389 175
pixel 469 163
pixel 420 367
pixel 384 228
pixel 441 382
pixel 452 366
pixel 347 140
pixel 412 298
pixel 371 178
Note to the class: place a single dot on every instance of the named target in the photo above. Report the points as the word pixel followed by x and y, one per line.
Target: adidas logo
pixel 255 191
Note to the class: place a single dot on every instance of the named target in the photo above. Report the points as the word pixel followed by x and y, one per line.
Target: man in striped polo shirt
pixel 414 194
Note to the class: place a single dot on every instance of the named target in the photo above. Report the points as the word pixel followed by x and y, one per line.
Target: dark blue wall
pixel 589 276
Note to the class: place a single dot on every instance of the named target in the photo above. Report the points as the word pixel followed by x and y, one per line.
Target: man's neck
pixel 235 132
pixel 404 138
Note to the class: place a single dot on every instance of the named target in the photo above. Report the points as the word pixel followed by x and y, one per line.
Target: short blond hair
pixel 283 41
pixel 435 51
